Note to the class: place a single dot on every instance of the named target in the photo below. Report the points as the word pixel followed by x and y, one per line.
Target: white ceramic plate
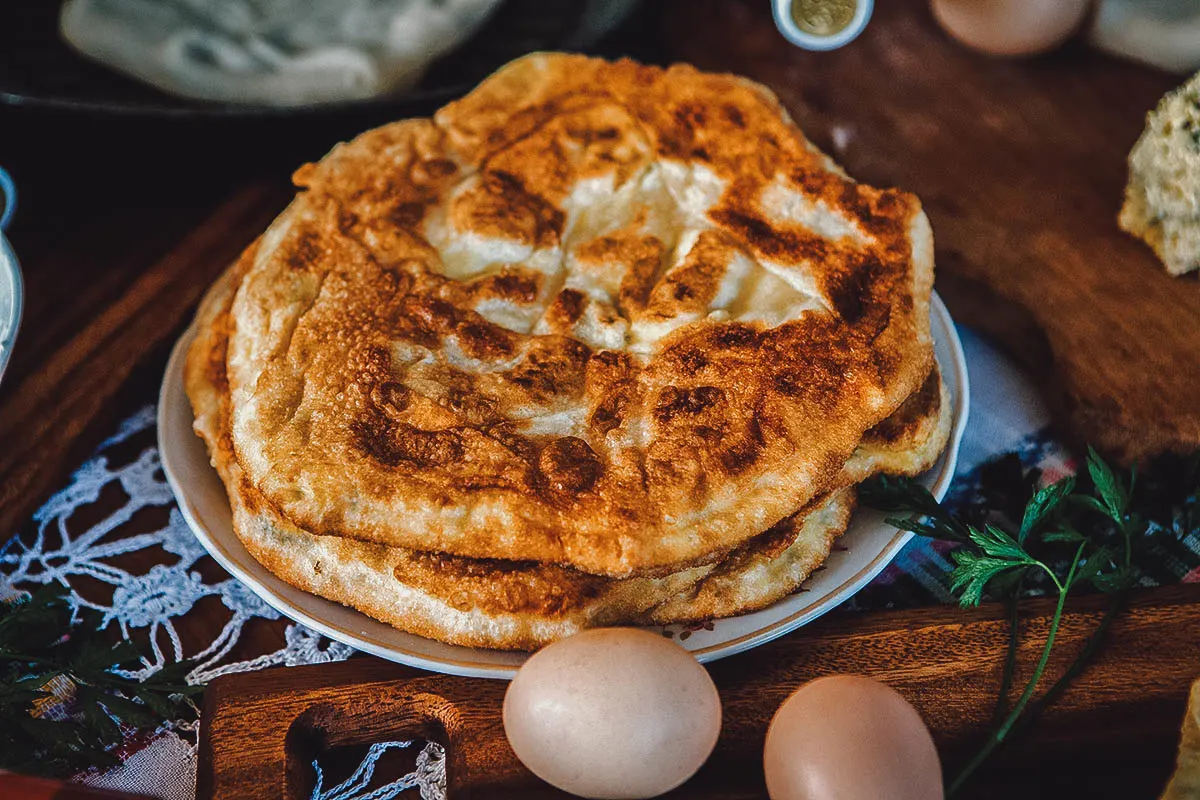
pixel 865 549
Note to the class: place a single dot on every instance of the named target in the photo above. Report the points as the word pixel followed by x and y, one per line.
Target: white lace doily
pixel 152 602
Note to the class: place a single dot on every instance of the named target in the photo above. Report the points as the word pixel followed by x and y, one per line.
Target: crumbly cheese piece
pixel 1162 200
pixel 272 52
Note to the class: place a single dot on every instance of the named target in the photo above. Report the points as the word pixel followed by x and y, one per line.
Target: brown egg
pixel 612 713
pixel 1011 27
pixel 850 737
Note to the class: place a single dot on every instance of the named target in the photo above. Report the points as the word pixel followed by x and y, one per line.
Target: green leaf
pixel 1087 501
pixel 894 493
pixel 1108 487
pixel 160 704
pixel 42 637
pixel 973 572
pixel 169 681
pixel 1099 559
pixel 928 529
pixel 35 621
pixel 44 730
pixel 1115 581
pixel 97 720
pixel 175 674
pixel 904 495
pixel 997 543
pixel 1043 504
pixel 131 713
pixel 23 698
pixel 1070 536
pixel 1006 584
pixel 913 524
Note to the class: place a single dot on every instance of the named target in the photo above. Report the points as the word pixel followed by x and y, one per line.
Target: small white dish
pixel 810 40
pixel 863 551
pixel 12 290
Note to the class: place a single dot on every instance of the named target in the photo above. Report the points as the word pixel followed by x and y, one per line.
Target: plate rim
pixel 959 381
pixel 11 280
pixel 855 583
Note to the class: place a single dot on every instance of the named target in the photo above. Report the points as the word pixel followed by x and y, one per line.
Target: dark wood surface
pixel 55 402
pixel 1112 734
pixel 1021 167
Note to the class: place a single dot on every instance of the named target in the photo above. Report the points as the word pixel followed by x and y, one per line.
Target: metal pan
pixel 39 70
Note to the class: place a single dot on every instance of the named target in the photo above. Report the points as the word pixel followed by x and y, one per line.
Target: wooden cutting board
pixel 1021 167
pixel 1113 734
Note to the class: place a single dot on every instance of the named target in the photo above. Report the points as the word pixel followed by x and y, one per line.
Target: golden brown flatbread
pixel 523 605
pixel 599 315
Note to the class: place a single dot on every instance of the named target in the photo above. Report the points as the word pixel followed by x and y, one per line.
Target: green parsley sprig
pixel 1085 533
pixel 48 650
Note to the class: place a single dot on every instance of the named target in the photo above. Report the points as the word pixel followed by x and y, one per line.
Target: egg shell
pixel 1011 27
pixel 846 737
pixel 613 713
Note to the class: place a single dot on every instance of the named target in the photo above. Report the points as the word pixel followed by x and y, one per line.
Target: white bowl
pixel 12 289
pixel 810 41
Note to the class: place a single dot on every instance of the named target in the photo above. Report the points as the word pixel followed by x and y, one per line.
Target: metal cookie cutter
pixel 821 24
pixel 12 289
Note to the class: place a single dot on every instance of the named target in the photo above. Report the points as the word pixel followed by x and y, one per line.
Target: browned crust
pixel 497 604
pixel 723 431
pixel 476 603
pixel 753 578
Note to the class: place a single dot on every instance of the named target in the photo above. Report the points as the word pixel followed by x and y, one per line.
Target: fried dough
pixel 524 605
pixel 599 315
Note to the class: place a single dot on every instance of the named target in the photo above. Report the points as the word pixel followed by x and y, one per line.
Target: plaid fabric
pixel 920 574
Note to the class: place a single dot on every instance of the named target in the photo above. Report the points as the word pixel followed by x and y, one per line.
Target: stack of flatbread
pixel 599 343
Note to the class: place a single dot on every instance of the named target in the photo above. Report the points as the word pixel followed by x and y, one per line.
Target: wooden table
pixel 123 224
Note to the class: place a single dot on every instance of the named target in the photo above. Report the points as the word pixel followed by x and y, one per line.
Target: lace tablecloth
pixel 117 510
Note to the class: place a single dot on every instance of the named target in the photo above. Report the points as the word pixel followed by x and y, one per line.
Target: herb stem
pixel 1128 536
pixel 1085 655
pixel 999 735
pixel 1057 583
pixel 1010 659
